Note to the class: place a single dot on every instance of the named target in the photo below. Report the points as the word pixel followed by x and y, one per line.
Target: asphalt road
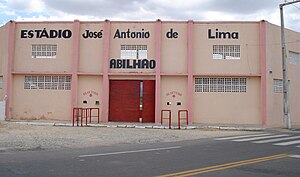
pixel 204 157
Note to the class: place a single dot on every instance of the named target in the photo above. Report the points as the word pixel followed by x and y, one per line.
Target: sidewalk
pixel 40 135
pixel 139 125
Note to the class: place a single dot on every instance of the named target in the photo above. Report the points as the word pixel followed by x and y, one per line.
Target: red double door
pixel 132 100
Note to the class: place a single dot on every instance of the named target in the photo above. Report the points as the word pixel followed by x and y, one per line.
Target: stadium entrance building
pixel 216 72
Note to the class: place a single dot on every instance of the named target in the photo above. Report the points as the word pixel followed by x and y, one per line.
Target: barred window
pixel 134 52
pixel 294 58
pixel 1 82
pixel 43 51
pixel 278 85
pixel 220 85
pixel 227 52
pixel 48 82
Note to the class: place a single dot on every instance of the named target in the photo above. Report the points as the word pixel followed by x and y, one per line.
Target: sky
pixel 150 10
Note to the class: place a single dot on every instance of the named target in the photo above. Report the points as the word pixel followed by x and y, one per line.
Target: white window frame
pixel 294 58
pixel 133 52
pixel 43 51
pixel 278 85
pixel 1 82
pixel 226 52
pixel 218 84
pixel 47 82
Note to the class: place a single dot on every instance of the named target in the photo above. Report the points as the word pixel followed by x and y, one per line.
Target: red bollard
pixel 170 117
pixel 179 118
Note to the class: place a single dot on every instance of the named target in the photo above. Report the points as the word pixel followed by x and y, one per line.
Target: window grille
pixel 220 85
pixel 134 52
pixel 227 52
pixel 43 51
pixel 1 82
pixel 48 82
pixel 278 85
pixel 294 58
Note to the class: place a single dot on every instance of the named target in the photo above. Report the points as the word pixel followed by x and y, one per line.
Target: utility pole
pixel 286 99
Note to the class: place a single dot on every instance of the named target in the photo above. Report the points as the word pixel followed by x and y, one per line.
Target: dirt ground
pixel 17 137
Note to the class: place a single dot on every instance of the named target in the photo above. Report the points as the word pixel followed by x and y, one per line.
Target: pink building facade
pixel 224 73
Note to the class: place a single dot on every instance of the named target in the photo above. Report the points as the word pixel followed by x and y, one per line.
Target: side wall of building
pixel 274 72
pixel 38 84
pixel 3 59
pixel 293 45
pixel 3 70
pixel 228 107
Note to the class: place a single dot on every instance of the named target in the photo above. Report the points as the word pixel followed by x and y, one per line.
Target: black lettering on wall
pixel 172 34
pixel 132 34
pixel 222 34
pixel 132 64
pixel 92 34
pixel 44 33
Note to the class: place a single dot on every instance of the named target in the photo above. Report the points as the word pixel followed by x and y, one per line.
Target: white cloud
pixel 33 18
pixel 197 10
pixel 27 6
pixel 218 16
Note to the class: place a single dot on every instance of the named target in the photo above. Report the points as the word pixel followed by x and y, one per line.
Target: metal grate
pixel 227 52
pixel 43 50
pixel 294 58
pixel 220 85
pixel 134 52
pixel 48 82
pixel 1 82
pixel 278 85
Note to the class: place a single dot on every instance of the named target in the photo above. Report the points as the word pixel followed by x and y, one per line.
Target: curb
pixel 233 128
pixel 189 127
